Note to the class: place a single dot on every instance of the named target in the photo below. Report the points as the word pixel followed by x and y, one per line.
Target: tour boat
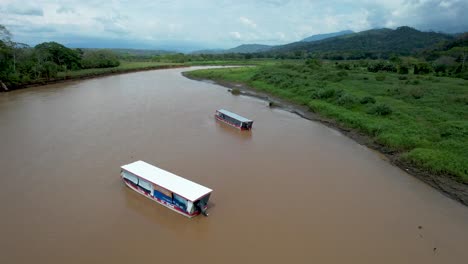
pixel 234 120
pixel 174 192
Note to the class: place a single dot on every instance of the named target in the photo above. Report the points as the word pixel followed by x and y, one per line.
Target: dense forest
pixel 21 64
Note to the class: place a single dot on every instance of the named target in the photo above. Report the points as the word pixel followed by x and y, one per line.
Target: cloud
pixel 281 35
pixel 113 24
pixel 24 9
pixel 247 22
pixel 235 35
pixel 221 23
pixel 65 10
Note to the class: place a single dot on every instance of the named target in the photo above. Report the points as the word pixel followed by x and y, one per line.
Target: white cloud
pixel 247 22
pixel 25 9
pixel 207 21
pixel 235 35
pixel 65 9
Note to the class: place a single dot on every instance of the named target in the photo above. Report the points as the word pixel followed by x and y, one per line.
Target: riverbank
pixel 126 67
pixel 449 184
pixel 94 73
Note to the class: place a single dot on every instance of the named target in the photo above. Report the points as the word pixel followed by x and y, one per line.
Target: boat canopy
pixel 235 116
pixel 176 184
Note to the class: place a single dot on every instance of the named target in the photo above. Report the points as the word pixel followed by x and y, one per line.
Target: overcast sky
pixel 216 23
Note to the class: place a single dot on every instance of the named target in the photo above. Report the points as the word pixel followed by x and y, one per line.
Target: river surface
pixel 290 191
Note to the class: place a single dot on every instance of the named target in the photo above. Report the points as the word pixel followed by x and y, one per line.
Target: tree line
pixel 21 64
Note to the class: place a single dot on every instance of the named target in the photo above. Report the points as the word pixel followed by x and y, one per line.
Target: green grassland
pixel 422 118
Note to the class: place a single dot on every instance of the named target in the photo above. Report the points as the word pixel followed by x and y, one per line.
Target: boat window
pixel 145 184
pixel 205 199
pixel 162 190
pixel 130 177
pixel 180 201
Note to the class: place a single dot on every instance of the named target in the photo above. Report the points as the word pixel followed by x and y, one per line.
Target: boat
pixel 233 119
pixel 174 192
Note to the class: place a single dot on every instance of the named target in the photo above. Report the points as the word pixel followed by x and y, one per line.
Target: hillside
pixel 370 43
pixel 328 35
pixel 249 48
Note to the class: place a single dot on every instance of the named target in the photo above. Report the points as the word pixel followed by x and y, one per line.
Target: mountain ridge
pixel 327 35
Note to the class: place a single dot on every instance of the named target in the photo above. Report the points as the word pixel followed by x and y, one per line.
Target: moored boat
pixel 233 119
pixel 174 192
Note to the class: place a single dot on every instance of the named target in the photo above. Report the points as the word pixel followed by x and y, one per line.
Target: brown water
pixel 291 191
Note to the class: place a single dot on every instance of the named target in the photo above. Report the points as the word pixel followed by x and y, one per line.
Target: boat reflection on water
pixel 160 217
pixel 244 135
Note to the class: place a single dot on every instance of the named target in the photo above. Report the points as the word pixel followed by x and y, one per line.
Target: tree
pixel 100 59
pixel 5 55
pixel 5 35
pixel 62 56
pixel 422 68
pixel 50 69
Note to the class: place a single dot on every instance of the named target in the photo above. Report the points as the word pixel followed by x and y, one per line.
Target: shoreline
pixel 90 76
pixel 446 184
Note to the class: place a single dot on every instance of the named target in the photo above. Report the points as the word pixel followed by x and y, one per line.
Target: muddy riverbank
pixel 446 184
pixel 4 88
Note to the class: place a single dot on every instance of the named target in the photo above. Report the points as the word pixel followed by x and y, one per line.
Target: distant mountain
pixel 140 52
pixel 244 48
pixel 249 48
pixel 455 48
pixel 209 51
pixel 328 35
pixel 375 42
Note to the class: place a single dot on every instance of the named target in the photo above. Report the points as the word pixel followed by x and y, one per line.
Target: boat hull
pixel 171 206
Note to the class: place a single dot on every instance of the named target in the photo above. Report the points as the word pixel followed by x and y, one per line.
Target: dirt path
pixel 447 184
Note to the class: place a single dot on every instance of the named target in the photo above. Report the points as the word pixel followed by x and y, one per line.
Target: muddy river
pixel 290 191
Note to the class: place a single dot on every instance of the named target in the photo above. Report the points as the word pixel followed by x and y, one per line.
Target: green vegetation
pixel 99 59
pixel 422 118
pixel 235 91
pixel 370 44
pixel 21 65
pixel 124 66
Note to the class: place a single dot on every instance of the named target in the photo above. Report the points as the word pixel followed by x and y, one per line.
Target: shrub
pixel 367 100
pixel 416 93
pixel 100 59
pixel 422 68
pixel 343 66
pixel 380 109
pixel 314 63
pixel 380 77
pixel 463 99
pixel 342 74
pixel 403 69
pixel 382 66
pixel 235 91
pixel 346 100
pixel 326 93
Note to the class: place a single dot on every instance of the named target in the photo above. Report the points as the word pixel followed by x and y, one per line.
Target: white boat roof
pixel 235 116
pixel 183 187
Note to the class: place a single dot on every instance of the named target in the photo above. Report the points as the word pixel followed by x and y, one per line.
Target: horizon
pixel 184 27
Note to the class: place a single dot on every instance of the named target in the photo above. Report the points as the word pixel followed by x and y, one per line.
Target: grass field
pixel 422 118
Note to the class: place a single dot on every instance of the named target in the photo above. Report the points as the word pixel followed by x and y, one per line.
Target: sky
pixel 208 24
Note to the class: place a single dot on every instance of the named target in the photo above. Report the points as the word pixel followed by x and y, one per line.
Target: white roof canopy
pixel 235 116
pixel 183 187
